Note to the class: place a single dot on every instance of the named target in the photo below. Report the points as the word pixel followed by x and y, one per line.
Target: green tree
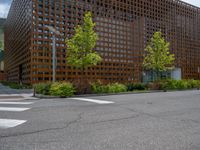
pixel 157 55
pixel 80 51
pixel 1 44
pixel 1 38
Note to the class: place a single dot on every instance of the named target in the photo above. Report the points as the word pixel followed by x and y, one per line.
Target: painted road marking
pixel 17 103
pixel 10 123
pixel 15 109
pixel 93 100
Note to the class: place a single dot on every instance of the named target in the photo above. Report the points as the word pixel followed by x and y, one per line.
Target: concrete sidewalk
pixel 7 93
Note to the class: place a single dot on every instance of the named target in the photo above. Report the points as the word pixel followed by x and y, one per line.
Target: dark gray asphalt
pixel 154 121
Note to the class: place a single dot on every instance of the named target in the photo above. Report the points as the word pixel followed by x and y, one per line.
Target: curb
pixel 107 94
pixel 90 95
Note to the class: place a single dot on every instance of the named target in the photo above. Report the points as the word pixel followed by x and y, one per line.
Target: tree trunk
pixel 83 86
pixel 82 80
pixel 157 75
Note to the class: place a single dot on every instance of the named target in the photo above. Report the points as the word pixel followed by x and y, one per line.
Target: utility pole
pixel 54 57
pixel 54 32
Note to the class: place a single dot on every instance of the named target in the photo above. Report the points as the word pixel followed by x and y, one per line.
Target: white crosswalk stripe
pixel 17 103
pixel 6 123
pixel 15 109
pixel 10 123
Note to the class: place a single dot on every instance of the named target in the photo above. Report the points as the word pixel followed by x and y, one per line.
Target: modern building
pixel 1 60
pixel 2 22
pixel 2 75
pixel 124 28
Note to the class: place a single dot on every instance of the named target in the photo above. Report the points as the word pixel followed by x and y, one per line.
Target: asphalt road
pixel 154 121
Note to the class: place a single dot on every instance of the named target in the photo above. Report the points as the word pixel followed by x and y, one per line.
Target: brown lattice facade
pixel 124 28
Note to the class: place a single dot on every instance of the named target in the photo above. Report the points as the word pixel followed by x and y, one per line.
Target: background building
pixel 1 60
pixel 2 75
pixel 2 21
pixel 124 28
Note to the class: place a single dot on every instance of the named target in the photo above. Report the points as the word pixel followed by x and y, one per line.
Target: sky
pixel 5 5
pixel 4 8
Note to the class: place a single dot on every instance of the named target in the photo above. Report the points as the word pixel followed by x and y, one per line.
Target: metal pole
pixel 54 57
pixel 34 91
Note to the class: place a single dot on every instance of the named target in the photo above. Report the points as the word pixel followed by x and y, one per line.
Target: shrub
pixel 169 84
pixel 98 87
pixel 62 89
pixel 138 86
pixel 15 86
pixel 193 83
pixel 42 88
pixel 116 88
pixel 158 85
pixel 180 84
pixel 198 84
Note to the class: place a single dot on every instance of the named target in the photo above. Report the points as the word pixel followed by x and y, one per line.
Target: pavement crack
pixel 139 112
pixel 45 130
pixel 117 119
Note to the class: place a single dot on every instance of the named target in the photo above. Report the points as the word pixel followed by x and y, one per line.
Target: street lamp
pixel 55 32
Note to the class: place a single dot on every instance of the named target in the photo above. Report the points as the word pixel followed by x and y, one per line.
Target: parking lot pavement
pixel 154 121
